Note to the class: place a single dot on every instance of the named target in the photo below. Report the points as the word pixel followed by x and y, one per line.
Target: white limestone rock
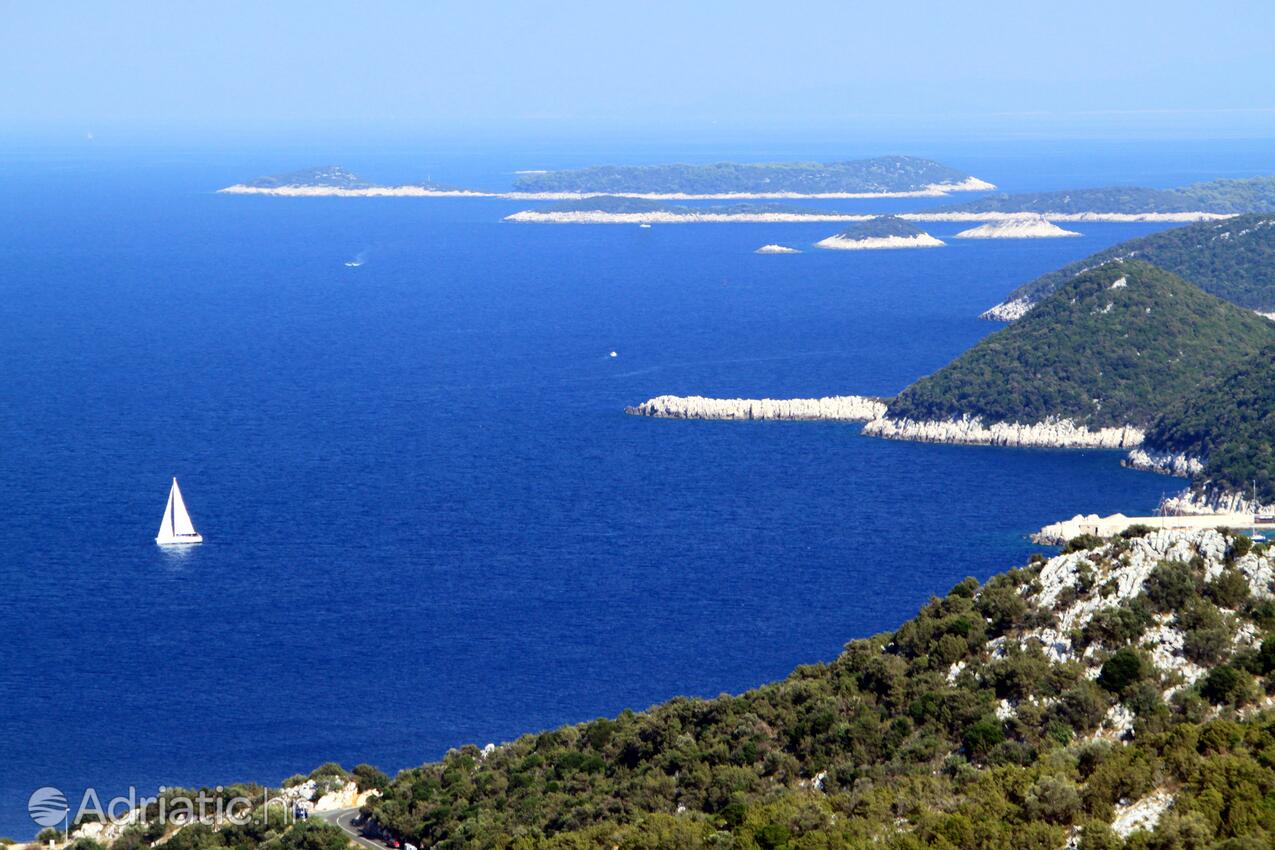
pixel 850 408
pixel 1008 311
pixel 1165 463
pixel 1141 814
pixel 1019 227
pixel 1052 433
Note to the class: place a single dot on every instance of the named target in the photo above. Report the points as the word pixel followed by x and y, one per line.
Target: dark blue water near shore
pixel 428 520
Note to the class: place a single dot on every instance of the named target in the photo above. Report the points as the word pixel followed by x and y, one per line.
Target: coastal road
pixel 343 819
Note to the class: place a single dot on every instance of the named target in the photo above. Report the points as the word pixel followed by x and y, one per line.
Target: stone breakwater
pixel 1052 433
pixel 845 408
pixel 1165 463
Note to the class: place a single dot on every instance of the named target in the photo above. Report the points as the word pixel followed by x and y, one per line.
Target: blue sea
pixel 428 519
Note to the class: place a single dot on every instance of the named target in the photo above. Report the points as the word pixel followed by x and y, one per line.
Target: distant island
pixel 886 232
pixel 618 210
pixel 335 181
pixel 1232 259
pixel 776 249
pixel 888 176
pixel 1097 362
pixel 1029 226
pixel 1197 201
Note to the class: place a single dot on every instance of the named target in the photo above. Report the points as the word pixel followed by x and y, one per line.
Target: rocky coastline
pixel 970 430
pixel 1169 217
pixel 1165 463
pixel 1212 500
pixel 852 408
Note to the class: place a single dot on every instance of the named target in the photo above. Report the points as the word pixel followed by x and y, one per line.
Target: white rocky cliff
pixel 847 408
pixel 1052 433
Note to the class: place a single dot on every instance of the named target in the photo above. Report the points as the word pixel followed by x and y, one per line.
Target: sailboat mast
pixel 172 509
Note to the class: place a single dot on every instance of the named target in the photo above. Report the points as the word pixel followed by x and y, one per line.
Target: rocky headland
pixel 971 430
pixel 852 408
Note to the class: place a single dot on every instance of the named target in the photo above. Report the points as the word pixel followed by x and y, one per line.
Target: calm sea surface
pixel 428 520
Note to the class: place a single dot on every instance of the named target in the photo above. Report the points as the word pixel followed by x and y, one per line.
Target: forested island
pixel 887 175
pixel 1111 347
pixel 885 232
pixel 1233 259
pixel 619 210
pixel 1217 197
pixel 1112 697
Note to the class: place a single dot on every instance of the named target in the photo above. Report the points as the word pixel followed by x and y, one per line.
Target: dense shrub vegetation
pixel 877 228
pixel 1231 424
pixel 1099 355
pixel 1233 259
pixel 898 743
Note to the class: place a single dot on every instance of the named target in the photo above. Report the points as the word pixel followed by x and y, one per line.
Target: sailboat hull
pixel 184 540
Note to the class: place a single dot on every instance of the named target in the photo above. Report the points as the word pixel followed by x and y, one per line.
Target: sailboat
pixel 176 527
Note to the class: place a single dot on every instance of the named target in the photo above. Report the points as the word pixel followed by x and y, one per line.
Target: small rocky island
pixel 776 249
pixel 1031 226
pixel 886 232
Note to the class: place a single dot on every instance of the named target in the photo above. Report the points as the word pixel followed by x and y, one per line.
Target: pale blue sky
pixel 648 67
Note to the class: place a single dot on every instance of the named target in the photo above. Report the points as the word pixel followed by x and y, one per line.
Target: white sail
pixel 176 526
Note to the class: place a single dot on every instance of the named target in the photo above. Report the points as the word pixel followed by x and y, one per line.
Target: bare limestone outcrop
pixel 1052 433
pixel 845 408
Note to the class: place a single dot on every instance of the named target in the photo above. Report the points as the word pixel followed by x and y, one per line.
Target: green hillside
pixel 1233 259
pixel 881 174
pixel 1248 195
pixel 1113 346
pixel 1231 425
pixel 955 732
